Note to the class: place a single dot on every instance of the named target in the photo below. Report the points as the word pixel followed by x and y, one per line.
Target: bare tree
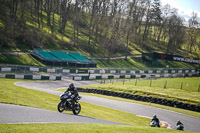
pixel 64 14
pixel 165 16
pixel 193 32
pixel 176 34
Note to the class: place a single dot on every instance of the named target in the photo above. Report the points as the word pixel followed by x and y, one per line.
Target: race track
pixel 21 114
pixel 191 123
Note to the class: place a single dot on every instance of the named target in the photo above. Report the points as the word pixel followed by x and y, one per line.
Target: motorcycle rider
pixel 156 120
pixel 179 125
pixel 74 93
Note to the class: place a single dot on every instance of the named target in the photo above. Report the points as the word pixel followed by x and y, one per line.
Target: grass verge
pixel 83 128
pixel 187 112
pixel 133 63
pixel 24 59
pixel 9 93
pixel 171 92
pixel 138 64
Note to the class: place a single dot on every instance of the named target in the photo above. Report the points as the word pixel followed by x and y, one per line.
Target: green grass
pixel 138 63
pixel 121 63
pixel 1 24
pixel 24 59
pixel 187 112
pixel 9 93
pixel 133 63
pixel 187 94
pixel 81 128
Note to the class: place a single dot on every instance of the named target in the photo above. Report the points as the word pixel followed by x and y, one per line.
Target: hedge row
pixel 161 101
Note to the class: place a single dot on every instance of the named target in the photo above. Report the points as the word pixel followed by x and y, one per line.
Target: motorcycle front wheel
pixel 61 107
pixel 77 109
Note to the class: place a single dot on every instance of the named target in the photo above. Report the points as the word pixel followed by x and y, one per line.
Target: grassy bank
pixel 37 99
pixel 83 128
pixel 24 59
pixel 188 94
pixel 33 98
pixel 187 112
pixel 131 63
pixel 138 63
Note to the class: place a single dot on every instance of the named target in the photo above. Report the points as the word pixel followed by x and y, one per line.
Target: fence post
pixel 199 88
pixel 165 86
pixel 181 85
pixel 123 81
pixel 150 82
pixel 136 82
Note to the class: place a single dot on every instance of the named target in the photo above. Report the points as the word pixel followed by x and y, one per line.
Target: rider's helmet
pixel 71 85
pixel 154 116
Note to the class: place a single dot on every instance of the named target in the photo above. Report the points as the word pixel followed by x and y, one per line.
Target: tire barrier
pixel 160 101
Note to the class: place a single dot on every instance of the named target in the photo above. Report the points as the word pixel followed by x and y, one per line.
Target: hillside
pixel 25 27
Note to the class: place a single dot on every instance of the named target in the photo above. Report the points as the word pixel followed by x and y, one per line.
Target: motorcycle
pixel 67 104
pixel 180 127
pixel 153 123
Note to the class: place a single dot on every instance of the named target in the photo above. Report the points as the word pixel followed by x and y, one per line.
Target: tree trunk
pixel 41 13
pixel 160 31
pixel 48 4
pixel 38 13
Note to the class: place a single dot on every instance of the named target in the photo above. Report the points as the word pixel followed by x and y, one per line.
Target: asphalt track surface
pixel 191 123
pixel 21 114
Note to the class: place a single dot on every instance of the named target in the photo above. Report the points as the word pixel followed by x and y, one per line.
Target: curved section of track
pixel 10 113
pixel 191 123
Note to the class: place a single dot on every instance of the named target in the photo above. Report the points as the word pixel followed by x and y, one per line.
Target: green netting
pixel 79 57
pixel 64 56
pixel 46 55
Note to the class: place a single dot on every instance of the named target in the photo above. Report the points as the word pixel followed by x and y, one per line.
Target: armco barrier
pixel 96 71
pixel 34 77
pixel 96 77
pixel 161 101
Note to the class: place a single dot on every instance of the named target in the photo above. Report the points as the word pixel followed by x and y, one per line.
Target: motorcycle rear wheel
pixel 61 107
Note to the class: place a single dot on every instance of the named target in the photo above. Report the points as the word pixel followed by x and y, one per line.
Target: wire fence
pixel 188 84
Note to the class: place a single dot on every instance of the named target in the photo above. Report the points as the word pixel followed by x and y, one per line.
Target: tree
pixel 165 16
pixel 148 20
pixel 64 14
pixel 94 5
pixel 193 32
pixel 176 34
pixel 129 27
